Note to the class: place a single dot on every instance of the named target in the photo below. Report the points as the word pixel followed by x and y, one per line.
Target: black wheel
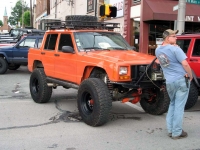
pixel 154 101
pixel 3 65
pixel 39 90
pixel 94 102
pixel 13 66
pixel 192 97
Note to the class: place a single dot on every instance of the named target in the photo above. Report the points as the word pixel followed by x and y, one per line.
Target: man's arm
pixel 187 68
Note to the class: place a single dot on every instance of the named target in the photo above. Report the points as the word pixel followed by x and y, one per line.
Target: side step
pixel 63 83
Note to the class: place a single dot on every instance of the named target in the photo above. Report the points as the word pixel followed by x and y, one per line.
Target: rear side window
pixel 50 43
pixel 196 50
pixel 184 44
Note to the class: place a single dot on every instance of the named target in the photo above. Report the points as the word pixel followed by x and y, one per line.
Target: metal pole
pixel 22 1
pixel 181 16
pixel 31 19
pixel 55 9
pixel 95 8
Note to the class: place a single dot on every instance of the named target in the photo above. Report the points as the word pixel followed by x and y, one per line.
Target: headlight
pixel 123 70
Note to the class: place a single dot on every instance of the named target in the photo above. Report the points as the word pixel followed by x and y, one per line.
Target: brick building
pixel 5 27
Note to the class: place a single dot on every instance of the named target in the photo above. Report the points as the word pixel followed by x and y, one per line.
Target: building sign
pixel 192 18
pixel 193 1
pixel 120 6
pixel 159 41
pixel 136 1
pixel 90 5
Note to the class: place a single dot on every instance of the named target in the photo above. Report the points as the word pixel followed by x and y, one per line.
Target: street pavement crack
pixel 27 126
pixel 65 116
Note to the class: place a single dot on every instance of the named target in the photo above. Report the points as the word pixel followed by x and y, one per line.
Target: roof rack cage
pixel 84 25
pixel 190 33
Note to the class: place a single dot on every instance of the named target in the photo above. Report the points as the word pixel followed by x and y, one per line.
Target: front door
pixel 20 51
pixel 194 60
pixel 65 63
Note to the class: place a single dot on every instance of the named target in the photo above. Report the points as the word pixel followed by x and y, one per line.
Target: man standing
pixel 178 75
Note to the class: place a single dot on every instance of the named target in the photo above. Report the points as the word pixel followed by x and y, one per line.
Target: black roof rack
pixel 83 25
pixel 35 34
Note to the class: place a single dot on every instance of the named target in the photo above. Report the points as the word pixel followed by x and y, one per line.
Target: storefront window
pixel 136 31
pixel 155 35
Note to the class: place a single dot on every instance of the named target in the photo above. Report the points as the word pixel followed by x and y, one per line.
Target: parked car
pixel 15 35
pixel 13 56
pixel 190 44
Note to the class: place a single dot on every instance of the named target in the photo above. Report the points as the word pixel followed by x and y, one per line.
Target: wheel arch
pixel 4 56
pixel 89 71
pixel 37 64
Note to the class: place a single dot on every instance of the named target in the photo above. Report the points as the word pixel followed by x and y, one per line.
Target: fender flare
pixel 195 79
pixel 4 55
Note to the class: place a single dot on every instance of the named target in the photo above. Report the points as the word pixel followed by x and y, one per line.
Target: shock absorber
pixel 109 85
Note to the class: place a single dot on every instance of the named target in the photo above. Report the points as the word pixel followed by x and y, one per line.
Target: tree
pixel 26 18
pixel 17 11
pixel 1 23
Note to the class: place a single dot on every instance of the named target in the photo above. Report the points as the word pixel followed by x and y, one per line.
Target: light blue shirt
pixel 170 58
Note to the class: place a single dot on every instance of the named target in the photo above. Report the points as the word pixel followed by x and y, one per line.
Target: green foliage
pixel 17 12
pixel 26 18
pixel 1 23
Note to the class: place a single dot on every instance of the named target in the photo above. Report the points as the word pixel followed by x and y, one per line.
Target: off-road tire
pixel 192 97
pixel 3 65
pixel 13 66
pixel 80 18
pixel 39 90
pixel 94 89
pixel 158 105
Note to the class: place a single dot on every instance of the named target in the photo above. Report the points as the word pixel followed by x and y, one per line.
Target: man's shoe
pixel 170 134
pixel 183 135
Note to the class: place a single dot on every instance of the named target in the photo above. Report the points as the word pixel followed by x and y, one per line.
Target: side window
pixel 39 43
pixel 50 43
pixel 28 43
pixel 184 44
pixel 196 50
pixel 65 40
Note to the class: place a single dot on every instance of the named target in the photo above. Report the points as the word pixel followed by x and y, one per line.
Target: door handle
pixel 42 53
pixel 193 59
pixel 56 55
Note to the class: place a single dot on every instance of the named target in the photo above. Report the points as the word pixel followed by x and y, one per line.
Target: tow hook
pixel 134 97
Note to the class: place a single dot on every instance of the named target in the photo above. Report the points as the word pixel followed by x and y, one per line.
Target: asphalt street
pixel 26 125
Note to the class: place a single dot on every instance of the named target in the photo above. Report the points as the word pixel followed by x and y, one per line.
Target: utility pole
pixel 31 19
pixel 95 8
pixel 181 16
pixel 55 9
pixel 22 1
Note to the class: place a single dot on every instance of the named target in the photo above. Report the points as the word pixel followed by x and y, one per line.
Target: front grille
pixel 137 71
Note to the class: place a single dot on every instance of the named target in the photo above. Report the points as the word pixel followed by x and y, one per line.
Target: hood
pixel 5 47
pixel 126 56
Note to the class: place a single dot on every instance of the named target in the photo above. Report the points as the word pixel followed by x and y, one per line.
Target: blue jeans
pixel 178 93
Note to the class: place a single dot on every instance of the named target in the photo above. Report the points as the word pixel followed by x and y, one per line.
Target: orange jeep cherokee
pixel 84 54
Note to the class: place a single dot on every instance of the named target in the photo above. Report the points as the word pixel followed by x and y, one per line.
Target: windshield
pixel 100 41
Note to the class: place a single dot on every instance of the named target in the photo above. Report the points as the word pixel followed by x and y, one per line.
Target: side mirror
pixel 133 48
pixel 67 49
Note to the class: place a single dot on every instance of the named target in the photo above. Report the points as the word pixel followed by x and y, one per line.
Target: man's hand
pixel 187 68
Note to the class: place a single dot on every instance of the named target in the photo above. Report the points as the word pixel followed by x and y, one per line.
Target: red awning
pixel 163 10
